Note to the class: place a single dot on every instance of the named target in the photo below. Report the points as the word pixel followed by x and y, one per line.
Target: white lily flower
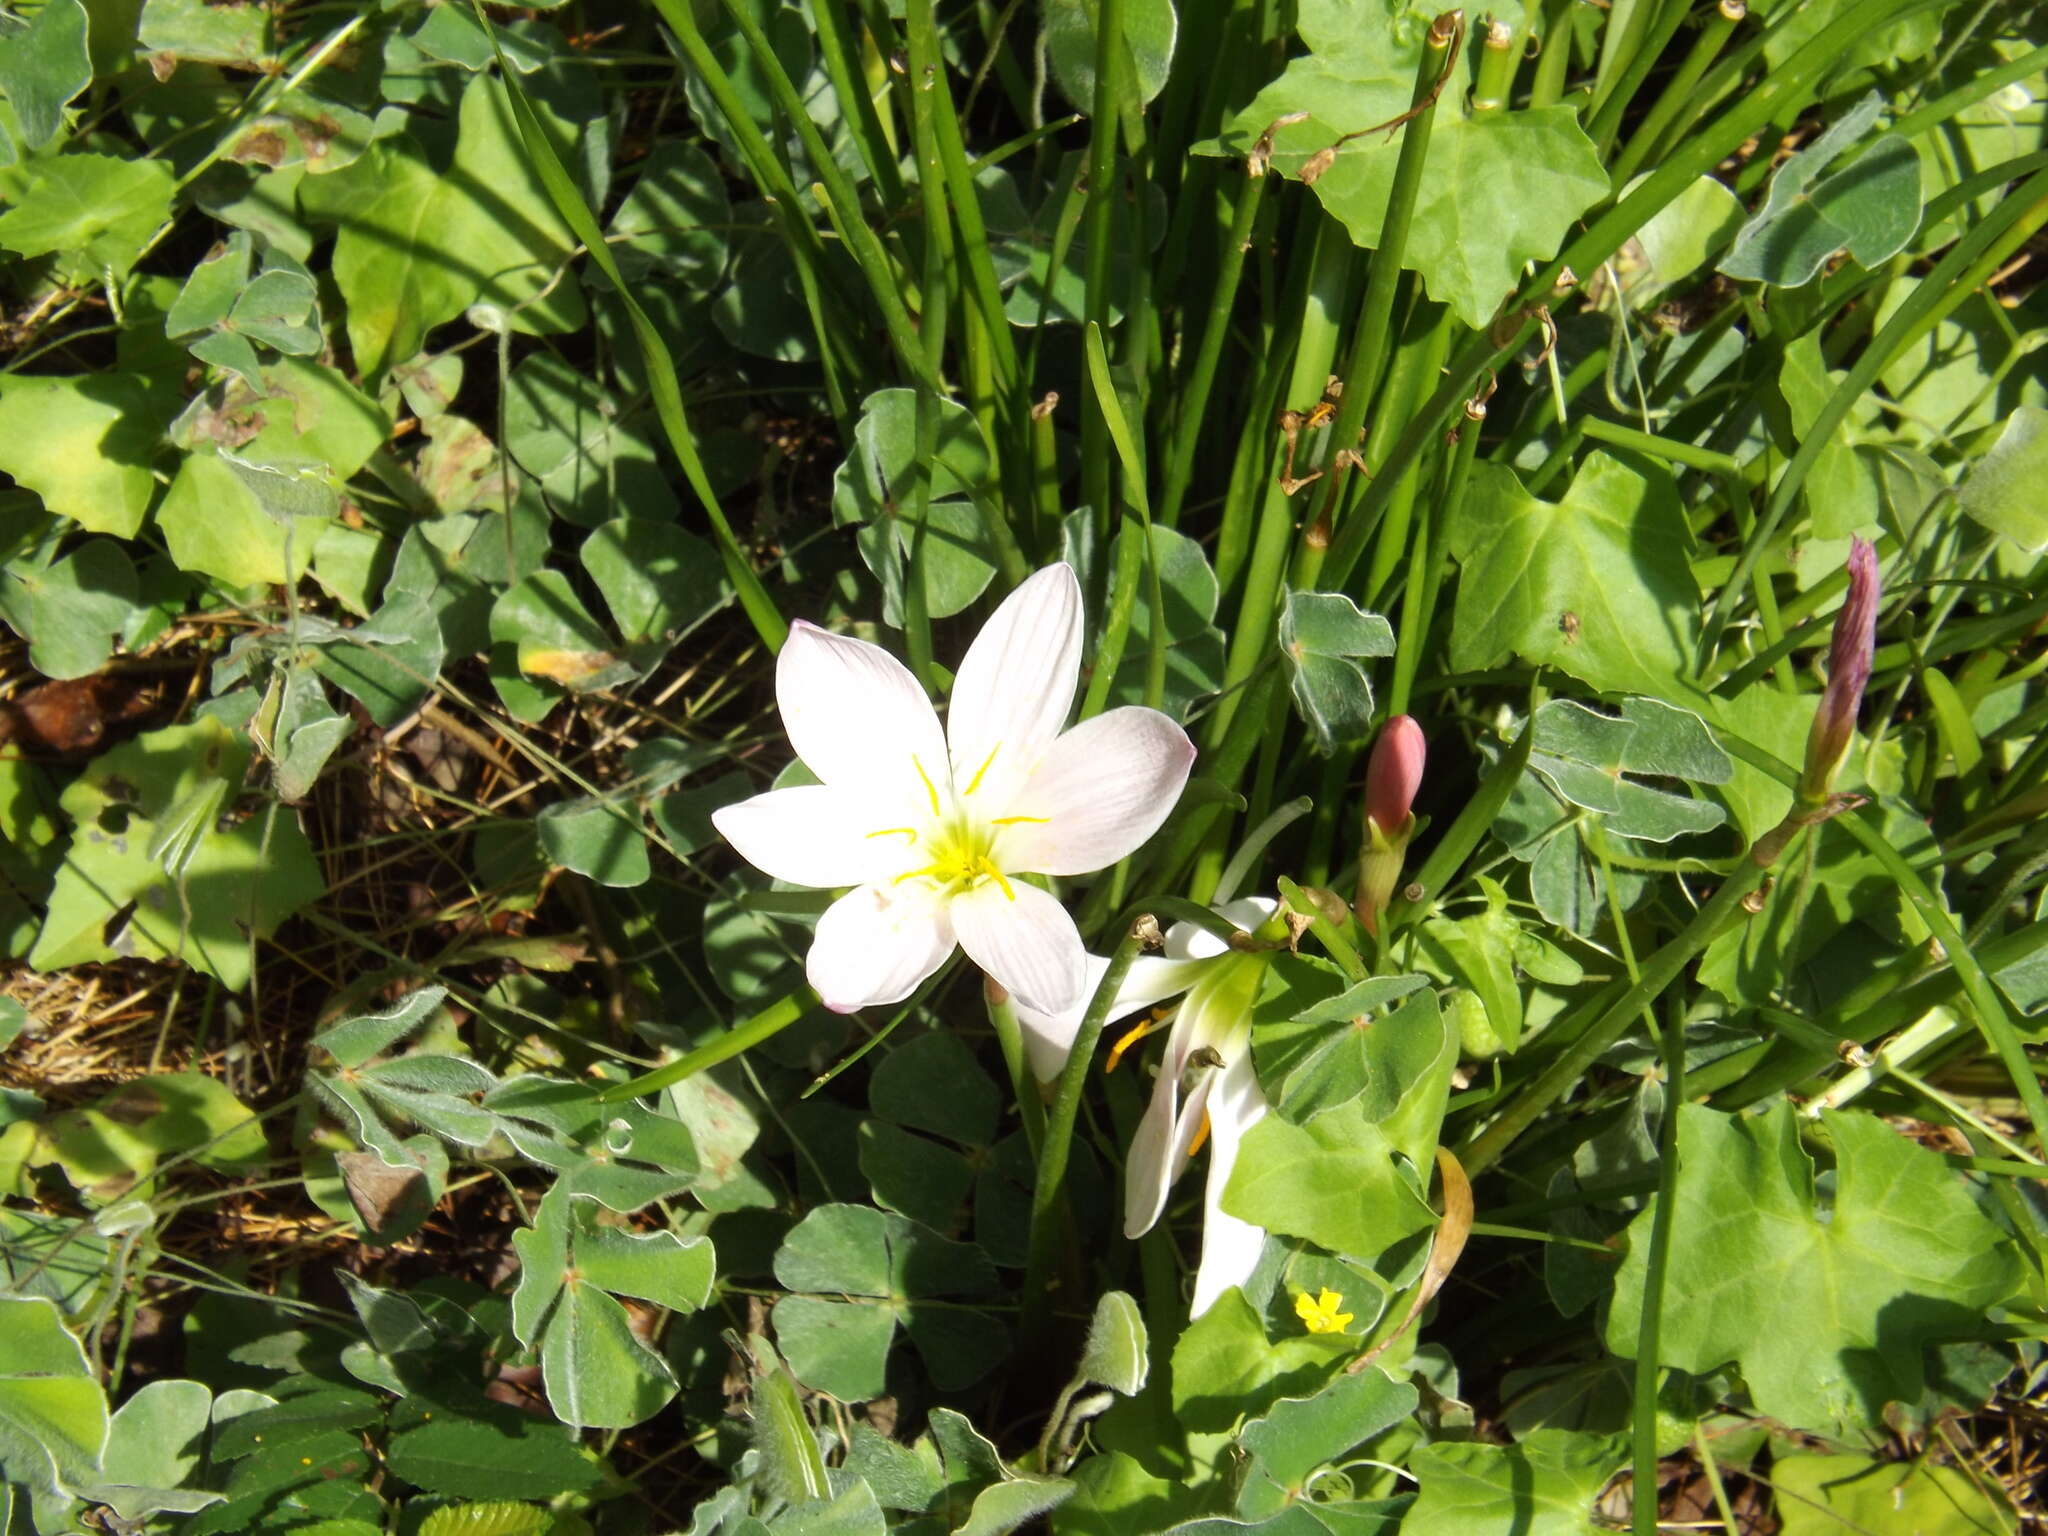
pixel 930 827
pixel 1205 1079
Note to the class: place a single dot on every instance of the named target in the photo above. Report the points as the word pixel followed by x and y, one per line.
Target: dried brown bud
pixel 1313 167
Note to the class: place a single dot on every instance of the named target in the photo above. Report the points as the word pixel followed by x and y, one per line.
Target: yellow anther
pixel 909 832
pixel 930 788
pixel 1013 821
pixel 916 874
pixel 975 783
pixel 1201 1133
pixel 988 868
pixel 1319 1314
pixel 1127 1039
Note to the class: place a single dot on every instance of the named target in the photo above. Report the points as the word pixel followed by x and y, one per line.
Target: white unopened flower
pixel 932 828
pixel 1205 1082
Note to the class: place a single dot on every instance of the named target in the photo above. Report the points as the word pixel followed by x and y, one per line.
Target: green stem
pixel 1619 54
pixel 864 123
pixel 1662 969
pixel 661 369
pixel 1420 361
pixel 771 1020
pixel 1659 31
pixel 1991 1018
pixel 1101 215
pixel 1681 93
pixel 1049 1193
pixel 1782 91
pixel 1368 350
pixel 928 72
pixel 1554 61
pixel 1498 56
pixel 938 271
pixel 1194 403
pixel 1254 635
pixel 1956 277
pixel 861 240
pixel 1002 1015
pixel 1116 629
pixel 1418 602
pixel 1656 1262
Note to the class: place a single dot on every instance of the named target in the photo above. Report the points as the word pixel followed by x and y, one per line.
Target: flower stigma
pixel 961 846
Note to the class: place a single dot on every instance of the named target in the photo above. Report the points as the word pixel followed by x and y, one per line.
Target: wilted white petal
pixel 1230 1245
pixel 813 835
pixel 857 717
pixel 875 944
pixel 1023 937
pixel 1150 1166
pixel 1016 683
pixel 1048 1037
pixel 1101 790
pixel 1191 941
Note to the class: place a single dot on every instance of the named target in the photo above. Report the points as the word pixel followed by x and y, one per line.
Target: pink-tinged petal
pixel 1101 790
pixel 1230 1245
pixel 1016 683
pixel 1023 937
pixel 875 945
pixel 815 835
pixel 1049 1037
pixel 857 717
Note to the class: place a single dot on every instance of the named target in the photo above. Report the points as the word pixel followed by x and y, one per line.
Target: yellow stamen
pixel 1012 821
pixel 1127 1039
pixel 988 868
pixel 909 832
pixel 975 783
pixel 1201 1133
pixel 1319 1314
pixel 930 788
pixel 916 874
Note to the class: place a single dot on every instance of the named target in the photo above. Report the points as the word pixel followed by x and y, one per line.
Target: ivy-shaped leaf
pixel 1825 1311
pixel 1598 585
pixel 1498 189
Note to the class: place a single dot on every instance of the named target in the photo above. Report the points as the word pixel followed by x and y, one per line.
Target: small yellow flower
pixel 1320 1314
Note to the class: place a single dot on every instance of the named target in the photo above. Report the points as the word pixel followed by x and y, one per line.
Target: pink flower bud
pixel 1849 653
pixel 1394 773
pixel 1392 776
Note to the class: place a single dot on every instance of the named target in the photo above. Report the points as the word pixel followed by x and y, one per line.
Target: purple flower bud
pixel 1394 773
pixel 1849 653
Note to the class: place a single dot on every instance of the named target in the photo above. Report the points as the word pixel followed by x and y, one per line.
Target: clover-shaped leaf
pixel 1579 786
pixel 1869 206
pixel 621 1155
pixel 1322 636
pixel 860 1272
pixel 572 1267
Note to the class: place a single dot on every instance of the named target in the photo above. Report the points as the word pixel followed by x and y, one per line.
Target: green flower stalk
pixel 1392 776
